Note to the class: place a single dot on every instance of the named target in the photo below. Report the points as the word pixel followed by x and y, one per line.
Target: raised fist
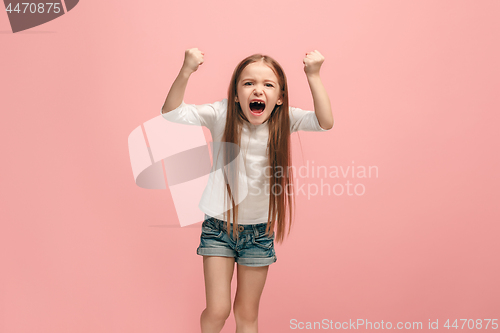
pixel 312 62
pixel 193 58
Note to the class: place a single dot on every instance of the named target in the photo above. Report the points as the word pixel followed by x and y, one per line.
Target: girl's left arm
pixel 322 107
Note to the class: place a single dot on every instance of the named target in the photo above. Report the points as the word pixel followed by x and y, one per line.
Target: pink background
pixel 414 87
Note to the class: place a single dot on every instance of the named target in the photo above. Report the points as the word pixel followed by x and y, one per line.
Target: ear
pixel 236 99
pixel 280 101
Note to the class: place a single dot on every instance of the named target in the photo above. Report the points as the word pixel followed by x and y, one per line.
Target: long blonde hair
pixel 278 147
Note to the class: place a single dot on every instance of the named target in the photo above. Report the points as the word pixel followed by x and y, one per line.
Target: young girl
pixel 255 118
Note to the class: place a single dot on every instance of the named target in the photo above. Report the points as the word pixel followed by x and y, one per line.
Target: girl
pixel 257 120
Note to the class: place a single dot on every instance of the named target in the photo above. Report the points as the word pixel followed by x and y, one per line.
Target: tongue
pixel 257 107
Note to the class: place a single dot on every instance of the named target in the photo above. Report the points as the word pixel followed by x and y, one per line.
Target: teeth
pixel 257 107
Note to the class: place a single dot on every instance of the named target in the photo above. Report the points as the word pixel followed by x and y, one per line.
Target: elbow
pixel 166 108
pixel 327 127
pixel 169 107
pixel 330 124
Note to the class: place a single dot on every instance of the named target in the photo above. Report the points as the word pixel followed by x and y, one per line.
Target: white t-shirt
pixel 254 208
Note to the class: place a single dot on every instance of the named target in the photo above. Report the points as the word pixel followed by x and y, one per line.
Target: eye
pixel 269 85
pixel 247 83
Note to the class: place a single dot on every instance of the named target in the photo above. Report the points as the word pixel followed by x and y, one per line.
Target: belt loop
pixel 255 230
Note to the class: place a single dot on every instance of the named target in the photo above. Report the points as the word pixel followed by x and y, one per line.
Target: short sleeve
pixel 301 120
pixel 198 115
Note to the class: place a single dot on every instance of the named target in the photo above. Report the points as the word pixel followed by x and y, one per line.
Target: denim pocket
pixel 263 241
pixel 209 230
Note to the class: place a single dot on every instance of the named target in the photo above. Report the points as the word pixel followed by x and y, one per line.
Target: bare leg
pixel 251 281
pixel 218 273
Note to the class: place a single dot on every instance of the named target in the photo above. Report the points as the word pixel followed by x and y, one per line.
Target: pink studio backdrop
pixel 414 90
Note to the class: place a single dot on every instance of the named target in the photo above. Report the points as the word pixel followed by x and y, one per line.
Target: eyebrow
pixel 249 79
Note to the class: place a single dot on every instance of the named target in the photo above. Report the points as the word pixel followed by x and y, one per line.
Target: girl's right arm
pixel 193 58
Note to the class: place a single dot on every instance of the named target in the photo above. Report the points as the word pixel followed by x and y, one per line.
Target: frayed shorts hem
pixel 215 251
pixel 256 262
pixel 221 252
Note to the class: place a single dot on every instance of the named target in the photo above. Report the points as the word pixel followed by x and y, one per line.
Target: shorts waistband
pixel 256 229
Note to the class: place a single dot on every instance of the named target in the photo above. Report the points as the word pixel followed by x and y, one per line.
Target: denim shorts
pixel 253 247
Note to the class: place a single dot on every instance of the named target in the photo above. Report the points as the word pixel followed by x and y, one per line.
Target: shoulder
pixel 214 109
pixel 296 113
pixel 222 103
pixel 221 107
pixel 303 120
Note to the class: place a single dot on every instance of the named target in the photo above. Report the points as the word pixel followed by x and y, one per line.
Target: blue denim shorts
pixel 253 247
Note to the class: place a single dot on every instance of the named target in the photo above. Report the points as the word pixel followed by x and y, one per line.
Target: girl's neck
pixel 252 126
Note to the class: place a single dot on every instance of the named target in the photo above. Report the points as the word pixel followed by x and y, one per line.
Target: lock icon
pixel 185 155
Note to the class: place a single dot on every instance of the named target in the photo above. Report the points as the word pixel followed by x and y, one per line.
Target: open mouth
pixel 257 108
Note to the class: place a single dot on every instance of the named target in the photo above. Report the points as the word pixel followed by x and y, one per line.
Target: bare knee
pixel 245 313
pixel 218 312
